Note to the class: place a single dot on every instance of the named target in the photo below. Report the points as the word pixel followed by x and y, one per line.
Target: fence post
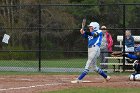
pixel 39 29
pixel 123 37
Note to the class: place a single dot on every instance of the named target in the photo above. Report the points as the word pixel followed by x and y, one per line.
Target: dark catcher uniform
pixel 136 64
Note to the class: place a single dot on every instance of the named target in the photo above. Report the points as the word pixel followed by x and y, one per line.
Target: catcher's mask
pixel 136 65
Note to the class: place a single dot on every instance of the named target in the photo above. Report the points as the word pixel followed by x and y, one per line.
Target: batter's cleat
pixel 76 81
pixel 107 79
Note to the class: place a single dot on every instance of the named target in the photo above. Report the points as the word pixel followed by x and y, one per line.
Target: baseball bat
pixel 83 23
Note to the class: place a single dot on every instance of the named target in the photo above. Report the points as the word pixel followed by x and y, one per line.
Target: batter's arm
pixel 96 34
pixel 83 33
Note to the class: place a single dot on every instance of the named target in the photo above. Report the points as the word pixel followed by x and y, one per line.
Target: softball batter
pixel 94 41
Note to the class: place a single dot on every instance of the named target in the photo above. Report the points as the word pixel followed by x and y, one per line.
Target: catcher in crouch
pixel 136 64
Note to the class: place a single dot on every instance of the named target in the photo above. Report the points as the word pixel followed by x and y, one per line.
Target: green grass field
pixel 64 63
pixel 97 90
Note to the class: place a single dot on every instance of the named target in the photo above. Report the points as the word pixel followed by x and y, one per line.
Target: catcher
pixel 136 64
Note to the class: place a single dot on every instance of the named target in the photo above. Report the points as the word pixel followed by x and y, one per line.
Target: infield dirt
pixel 40 83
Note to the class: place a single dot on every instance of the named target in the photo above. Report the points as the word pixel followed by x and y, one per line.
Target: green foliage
pixel 111 15
pixel 85 11
pixel 52 55
pixel 17 55
pixel 84 1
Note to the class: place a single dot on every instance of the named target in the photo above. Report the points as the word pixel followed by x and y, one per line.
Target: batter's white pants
pixel 93 54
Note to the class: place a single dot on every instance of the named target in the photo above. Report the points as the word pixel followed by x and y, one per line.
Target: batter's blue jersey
pixel 94 40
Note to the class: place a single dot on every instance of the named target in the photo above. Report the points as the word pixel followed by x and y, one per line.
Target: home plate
pixel 86 81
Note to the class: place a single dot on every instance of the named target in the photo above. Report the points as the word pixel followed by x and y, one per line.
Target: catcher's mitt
pixel 116 54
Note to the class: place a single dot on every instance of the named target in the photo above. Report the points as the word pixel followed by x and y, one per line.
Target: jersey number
pixel 90 37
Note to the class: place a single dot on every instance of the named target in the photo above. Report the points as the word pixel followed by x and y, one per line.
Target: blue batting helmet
pixel 137 49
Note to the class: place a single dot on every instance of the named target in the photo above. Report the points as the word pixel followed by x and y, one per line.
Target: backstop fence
pixel 46 37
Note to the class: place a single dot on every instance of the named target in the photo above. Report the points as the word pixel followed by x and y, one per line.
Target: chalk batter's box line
pixel 18 88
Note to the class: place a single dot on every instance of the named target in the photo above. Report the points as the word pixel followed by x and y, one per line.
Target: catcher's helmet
pixel 137 49
pixel 136 65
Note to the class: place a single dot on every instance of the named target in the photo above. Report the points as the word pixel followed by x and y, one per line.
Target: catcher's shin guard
pixel 134 77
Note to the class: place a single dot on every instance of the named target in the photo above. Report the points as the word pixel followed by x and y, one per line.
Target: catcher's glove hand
pixel 124 54
pixel 116 54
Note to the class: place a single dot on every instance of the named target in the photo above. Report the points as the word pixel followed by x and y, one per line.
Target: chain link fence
pixel 45 37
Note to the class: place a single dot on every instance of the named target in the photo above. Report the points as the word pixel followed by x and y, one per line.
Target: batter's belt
pixel 92 46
